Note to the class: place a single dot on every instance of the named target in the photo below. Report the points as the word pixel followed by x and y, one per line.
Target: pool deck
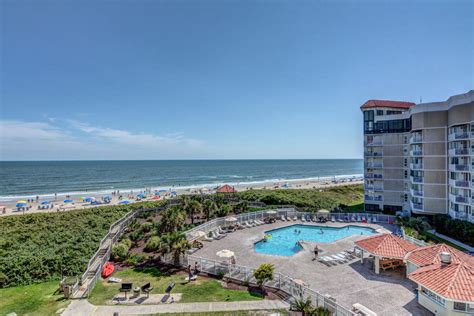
pixel 389 293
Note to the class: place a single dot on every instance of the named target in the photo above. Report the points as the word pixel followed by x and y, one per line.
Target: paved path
pixel 84 308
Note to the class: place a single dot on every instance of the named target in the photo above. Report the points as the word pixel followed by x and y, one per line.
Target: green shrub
pixel 153 244
pixel 264 273
pixel 147 227
pixel 119 252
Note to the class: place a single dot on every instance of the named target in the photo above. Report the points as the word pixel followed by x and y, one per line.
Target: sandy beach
pixel 58 205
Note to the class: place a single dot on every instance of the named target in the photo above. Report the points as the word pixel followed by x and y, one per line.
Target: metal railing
pixel 280 282
pixel 413 240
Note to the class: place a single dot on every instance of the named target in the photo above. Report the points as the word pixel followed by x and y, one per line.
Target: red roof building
pixel 387 104
pixel 386 246
pixel 428 255
pixel 452 281
pixel 226 189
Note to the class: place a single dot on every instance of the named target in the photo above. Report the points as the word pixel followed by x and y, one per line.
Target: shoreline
pixel 173 191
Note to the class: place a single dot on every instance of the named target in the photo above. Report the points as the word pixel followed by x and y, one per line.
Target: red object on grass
pixel 108 270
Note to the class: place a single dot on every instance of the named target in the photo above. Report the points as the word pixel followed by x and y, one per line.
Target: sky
pixel 213 79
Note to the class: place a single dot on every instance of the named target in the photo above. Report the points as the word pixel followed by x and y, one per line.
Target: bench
pixel 147 289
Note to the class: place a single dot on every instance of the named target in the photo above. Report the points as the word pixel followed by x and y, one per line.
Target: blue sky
pixel 218 79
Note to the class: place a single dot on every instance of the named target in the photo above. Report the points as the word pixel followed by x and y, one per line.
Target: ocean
pixel 44 178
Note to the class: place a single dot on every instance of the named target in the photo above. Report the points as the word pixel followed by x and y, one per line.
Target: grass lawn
pixel 34 299
pixel 202 290
pixel 441 240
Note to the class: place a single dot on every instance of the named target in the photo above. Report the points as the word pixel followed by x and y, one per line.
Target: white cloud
pixel 76 140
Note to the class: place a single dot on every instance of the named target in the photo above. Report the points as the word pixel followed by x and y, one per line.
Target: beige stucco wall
pixel 393 198
pixel 436 134
pixel 394 185
pixel 429 119
pixel 434 205
pixel 393 162
pixel 393 174
pixel 435 177
pixel 461 114
pixel 392 151
pixel 434 191
pixel 434 149
pixel 436 163
pixel 437 309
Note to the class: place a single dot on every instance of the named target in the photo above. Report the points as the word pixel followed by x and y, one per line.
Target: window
pixel 464 307
pixel 405 163
pixel 379 112
pixel 406 197
pixel 390 112
pixel 433 296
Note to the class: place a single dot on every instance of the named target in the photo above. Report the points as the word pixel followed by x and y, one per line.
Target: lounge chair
pixel 308 218
pixel 374 219
pixel 216 236
pixel 220 231
pixel 333 219
pixel 314 219
pixel 283 219
pixel 248 225
pixel 358 219
pixel 239 225
pixel 295 218
pixel 302 218
pixel 326 259
pixel 338 259
pixel 353 218
pixel 207 238
pixel 259 222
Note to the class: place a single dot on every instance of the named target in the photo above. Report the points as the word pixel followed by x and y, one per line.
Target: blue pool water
pixel 284 241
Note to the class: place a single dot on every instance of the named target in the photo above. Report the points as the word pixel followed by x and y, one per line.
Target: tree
pixel 302 305
pixel 209 208
pixel 264 273
pixel 223 210
pixel 193 208
pixel 172 219
pixel 176 244
pixel 241 207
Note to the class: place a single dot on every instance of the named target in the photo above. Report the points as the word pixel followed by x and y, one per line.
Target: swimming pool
pixel 284 241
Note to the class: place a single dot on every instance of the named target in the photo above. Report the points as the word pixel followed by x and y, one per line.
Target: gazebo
pixel 226 189
pixel 388 250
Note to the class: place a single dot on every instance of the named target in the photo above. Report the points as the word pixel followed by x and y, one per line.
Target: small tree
pixel 264 273
pixel 302 305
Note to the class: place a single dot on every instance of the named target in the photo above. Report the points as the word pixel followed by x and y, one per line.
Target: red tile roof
pixel 424 256
pixel 387 104
pixel 226 189
pixel 454 281
pixel 386 245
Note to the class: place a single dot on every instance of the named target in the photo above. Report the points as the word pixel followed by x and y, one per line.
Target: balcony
pixel 459 152
pixel 457 198
pixel 459 167
pixel 458 135
pixel 416 139
pixel 373 154
pixel 417 152
pixel 416 206
pixel 374 165
pixel 416 179
pixel 416 166
pixel 372 187
pixel 459 183
pixel 373 198
pixel 375 142
pixel 418 193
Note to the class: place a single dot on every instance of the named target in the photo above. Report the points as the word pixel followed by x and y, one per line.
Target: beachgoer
pixel 232 260
pixel 190 273
pixel 316 251
pixel 196 269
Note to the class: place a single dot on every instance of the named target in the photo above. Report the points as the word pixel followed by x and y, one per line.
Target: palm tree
pixel 176 244
pixel 193 208
pixel 209 208
pixel 172 219
pixel 302 305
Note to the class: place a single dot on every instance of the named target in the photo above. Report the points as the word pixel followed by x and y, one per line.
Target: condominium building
pixel 420 157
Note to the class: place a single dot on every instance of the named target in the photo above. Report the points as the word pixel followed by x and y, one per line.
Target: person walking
pixel 316 252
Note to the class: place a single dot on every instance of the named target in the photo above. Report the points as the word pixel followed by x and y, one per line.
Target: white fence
pixel 290 213
pixel 413 240
pixel 280 282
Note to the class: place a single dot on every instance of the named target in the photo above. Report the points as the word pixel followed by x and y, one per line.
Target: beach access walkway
pixel 84 308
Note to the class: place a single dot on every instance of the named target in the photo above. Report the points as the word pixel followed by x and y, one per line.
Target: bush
pixel 153 244
pixel 119 252
pixel 264 273
pixel 147 227
pixel 455 228
pixel 136 236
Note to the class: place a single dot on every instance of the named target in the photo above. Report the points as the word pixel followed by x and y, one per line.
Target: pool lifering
pixel 268 236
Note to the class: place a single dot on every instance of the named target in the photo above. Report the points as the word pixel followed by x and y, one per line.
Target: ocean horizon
pixel 27 179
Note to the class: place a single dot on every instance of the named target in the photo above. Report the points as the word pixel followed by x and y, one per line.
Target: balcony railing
pixel 373 143
pixel 417 206
pixel 459 151
pixel 458 135
pixel 373 153
pixel 416 139
pixel 373 187
pixel 464 167
pixel 414 166
pixel 417 193
pixel 460 183
pixel 417 152
pixel 374 165
pixel 416 179
pixel 373 198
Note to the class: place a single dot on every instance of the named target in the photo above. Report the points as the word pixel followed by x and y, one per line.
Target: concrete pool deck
pixel 389 293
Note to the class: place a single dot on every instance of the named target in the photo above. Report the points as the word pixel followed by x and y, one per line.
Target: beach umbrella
pixel 89 199
pixel 272 212
pixel 157 193
pixel 68 201
pixel 157 197
pixel 107 197
pixel 21 204
pixel 174 193
pixel 231 219
pixel 44 202
pixel 199 234
pixel 225 253
pixel 124 202
pixel 141 195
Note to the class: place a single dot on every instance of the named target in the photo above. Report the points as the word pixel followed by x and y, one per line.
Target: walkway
pixel 452 240
pixel 84 308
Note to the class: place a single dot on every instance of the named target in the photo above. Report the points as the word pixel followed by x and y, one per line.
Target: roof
pixel 386 245
pixel 387 104
pixel 454 281
pixel 226 189
pixel 427 255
